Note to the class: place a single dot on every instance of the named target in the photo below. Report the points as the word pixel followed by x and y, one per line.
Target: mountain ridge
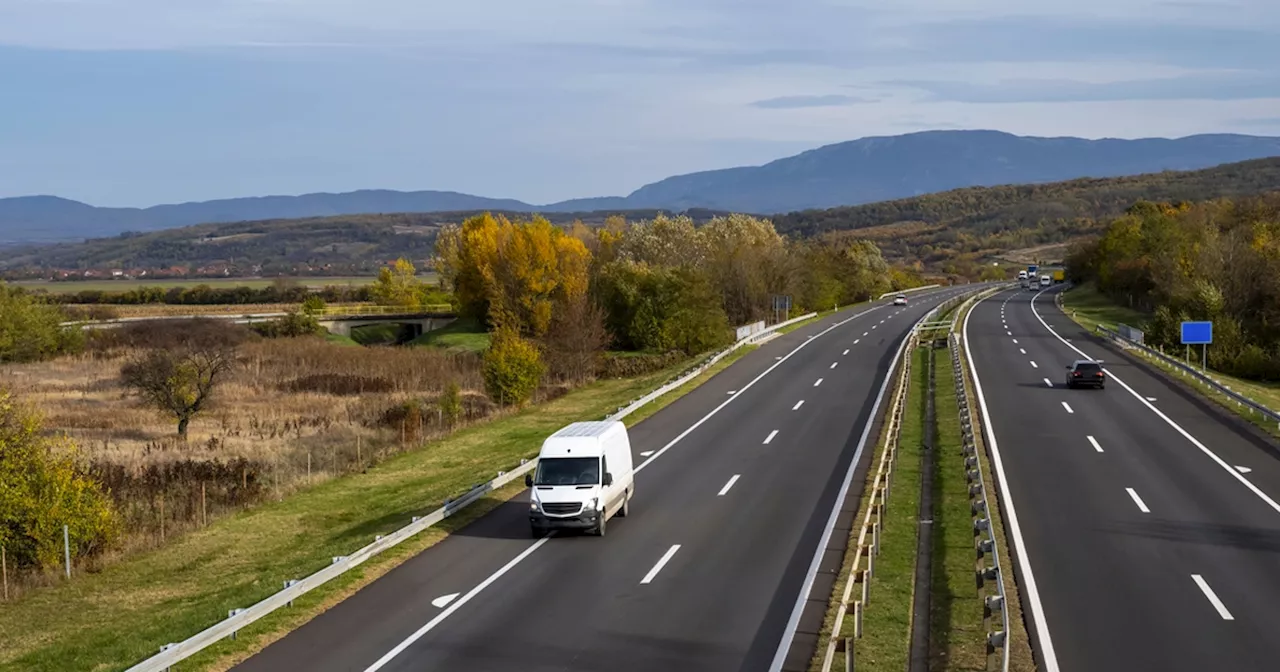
pixel 855 172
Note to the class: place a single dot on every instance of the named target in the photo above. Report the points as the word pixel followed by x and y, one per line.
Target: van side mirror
pixel 608 479
pixel 528 480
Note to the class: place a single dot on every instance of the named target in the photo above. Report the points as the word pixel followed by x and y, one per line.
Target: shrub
pixel 31 331
pixel 293 325
pixel 450 404
pixel 512 369
pixel 343 384
pixel 42 488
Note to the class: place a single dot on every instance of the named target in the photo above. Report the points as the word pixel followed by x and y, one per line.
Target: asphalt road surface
pixel 1148 517
pixel 705 574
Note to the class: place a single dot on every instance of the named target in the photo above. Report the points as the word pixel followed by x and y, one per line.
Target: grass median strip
pixel 112 619
pixel 886 640
pixel 956 636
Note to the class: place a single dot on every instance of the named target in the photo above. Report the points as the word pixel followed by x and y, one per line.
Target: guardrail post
pixel 848 654
pixel 289 584
pixel 995 642
pixel 232 614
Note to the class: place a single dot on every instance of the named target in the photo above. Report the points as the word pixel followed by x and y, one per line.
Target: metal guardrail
pixel 985 541
pixel 1193 373
pixel 881 487
pixel 239 618
pixel 906 291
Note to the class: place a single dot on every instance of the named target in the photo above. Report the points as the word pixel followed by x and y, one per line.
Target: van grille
pixel 562 508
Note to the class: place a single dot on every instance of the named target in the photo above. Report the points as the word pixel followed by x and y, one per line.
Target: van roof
pixel 592 429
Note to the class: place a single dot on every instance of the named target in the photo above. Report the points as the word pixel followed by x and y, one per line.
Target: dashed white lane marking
pixel 728 485
pixel 1243 470
pixel 846 351
pixel 646 453
pixel 1094 443
pixel 798 405
pixel 1213 598
pixel 874 326
pixel 817 382
pixel 666 557
pixel 1064 405
pixel 864 334
pixel 1022 351
pixel 769 438
pixel 1015 341
pixel 833 364
pixel 1048 382
pixel 1137 500
pixel 1034 365
pixel 444 600
pixel 858 341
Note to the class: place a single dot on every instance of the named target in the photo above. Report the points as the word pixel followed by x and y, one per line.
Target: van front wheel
pixel 600 525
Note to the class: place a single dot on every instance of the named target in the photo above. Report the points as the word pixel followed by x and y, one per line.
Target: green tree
pixel 512 368
pixel 181 381
pixel 43 487
pixel 398 285
pixel 31 331
pixel 450 404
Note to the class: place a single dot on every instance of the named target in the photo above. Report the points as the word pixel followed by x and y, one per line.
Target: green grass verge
pixel 1090 308
pixel 338 339
pixel 463 334
pixel 112 619
pixel 956 636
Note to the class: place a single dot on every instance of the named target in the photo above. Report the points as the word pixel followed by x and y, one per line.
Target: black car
pixel 1086 372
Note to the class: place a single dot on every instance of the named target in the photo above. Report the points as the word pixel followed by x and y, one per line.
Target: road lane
pixel 576 598
pixel 1118 509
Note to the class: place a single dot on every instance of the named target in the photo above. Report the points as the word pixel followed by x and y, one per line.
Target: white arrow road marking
pixel 1243 470
pixel 1151 398
pixel 733 391
pixel 444 600
pixel 646 453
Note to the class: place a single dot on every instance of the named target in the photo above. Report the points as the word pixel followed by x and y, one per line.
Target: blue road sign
pixel 1197 333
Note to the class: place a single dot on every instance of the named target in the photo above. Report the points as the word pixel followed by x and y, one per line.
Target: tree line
pixel 1217 260
pixel 658 285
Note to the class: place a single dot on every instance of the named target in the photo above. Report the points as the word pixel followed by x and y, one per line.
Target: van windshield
pixel 568 471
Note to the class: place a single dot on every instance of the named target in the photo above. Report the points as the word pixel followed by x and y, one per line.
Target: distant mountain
pixel 849 173
pixel 947 230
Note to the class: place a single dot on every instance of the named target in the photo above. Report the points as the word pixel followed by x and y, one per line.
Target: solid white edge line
pixel 769 439
pixel 1094 442
pixel 1068 407
pixel 798 405
pixel 666 557
pixel 457 604
pixel 1213 598
pixel 1137 500
pixel 789 633
pixel 728 485
pixel 1030 591
pixel 418 634
pixel 1187 435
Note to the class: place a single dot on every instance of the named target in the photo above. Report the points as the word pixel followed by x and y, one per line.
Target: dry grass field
pixel 294 412
pixel 174 310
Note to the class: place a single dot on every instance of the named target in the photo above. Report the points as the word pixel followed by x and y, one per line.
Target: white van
pixel 1046 280
pixel 584 477
pixel 1022 275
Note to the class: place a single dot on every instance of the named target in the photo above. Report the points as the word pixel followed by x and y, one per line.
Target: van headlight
pixel 533 505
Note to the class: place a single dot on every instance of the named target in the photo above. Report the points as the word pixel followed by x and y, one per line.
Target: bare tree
pixel 575 339
pixel 179 381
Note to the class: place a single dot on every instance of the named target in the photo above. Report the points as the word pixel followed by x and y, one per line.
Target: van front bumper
pixel 587 519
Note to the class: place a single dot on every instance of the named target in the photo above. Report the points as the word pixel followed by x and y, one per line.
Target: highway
pixel 736 482
pixel 1146 518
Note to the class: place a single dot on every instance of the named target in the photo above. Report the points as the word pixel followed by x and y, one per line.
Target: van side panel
pixel 617 451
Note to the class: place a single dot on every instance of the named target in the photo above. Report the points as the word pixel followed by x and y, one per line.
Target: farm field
pixel 64 287
pixel 176 310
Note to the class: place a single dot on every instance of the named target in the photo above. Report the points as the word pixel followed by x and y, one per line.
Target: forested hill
pixel 987 221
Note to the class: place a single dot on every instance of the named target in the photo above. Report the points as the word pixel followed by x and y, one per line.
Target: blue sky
pixel 138 102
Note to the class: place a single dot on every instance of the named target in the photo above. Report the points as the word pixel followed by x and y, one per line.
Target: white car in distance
pixel 900 300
